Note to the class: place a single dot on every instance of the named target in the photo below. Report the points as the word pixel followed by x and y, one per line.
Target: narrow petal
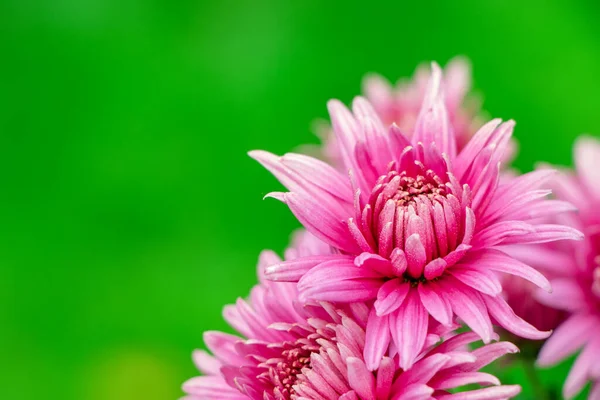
pixel 569 337
pixel 468 306
pixel 566 295
pixel 490 393
pixel 507 318
pixel 375 262
pixel 293 270
pixel 411 330
pixel 544 233
pixel 377 340
pixel 336 270
pixel 435 268
pixel 343 291
pixel 477 278
pixel 487 354
pixel 361 379
pixel 206 363
pixel 390 296
pixel 417 391
pixel 385 378
pixel 587 153
pixel 211 388
pixel 433 124
pixel 434 303
pixel 580 372
pixel 465 378
pixel 319 220
pixel 502 262
pixel 415 255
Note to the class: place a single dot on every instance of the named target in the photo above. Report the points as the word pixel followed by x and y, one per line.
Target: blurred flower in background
pixel 577 281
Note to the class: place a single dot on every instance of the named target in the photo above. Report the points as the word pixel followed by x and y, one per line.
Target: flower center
pixel 429 186
pixel 419 213
pixel 282 372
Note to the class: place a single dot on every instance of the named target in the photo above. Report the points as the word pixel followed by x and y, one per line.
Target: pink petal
pixel 222 346
pixel 390 296
pixel 423 370
pixel 507 318
pixel 361 379
pixel 477 278
pixel 415 255
pixel 544 233
pixel 501 262
pixel 580 372
pixel 501 232
pixel 468 306
pixel 587 154
pixel 377 340
pixel 435 268
pixel 385 378
pixel 375 262
pixel 415 392
pixel 437 307
pixel 566 295
pixel 569 337
pixel 433 124
pixel 399 262
pixel 465 378
pixel 343 291
pixel 475 146
pixel 490 393
pixel 211 388
pixel 336 270
pixel 319 220
pixel 206 363
pixel 300 173
pixel 487 354
pixel 346 396
pixel 410 330
pixel 293 270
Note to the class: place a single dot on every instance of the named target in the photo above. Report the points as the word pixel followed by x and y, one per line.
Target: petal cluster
pixel 401 103
pixel 316 352
pixel 576 280
pixel 420 228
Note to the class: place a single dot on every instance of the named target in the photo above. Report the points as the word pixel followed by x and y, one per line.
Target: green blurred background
pixel 130 211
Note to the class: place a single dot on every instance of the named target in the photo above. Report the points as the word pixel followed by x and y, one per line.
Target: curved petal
pixel 507 318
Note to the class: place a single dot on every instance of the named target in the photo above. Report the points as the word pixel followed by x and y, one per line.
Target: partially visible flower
pixel 418 225
pixel 315 352
pixel 577 282
pixel 400 104
pixel 521 296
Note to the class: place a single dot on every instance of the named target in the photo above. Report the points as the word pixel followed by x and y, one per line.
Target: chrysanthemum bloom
pixel 401 104
pixel 417 225
pixel 315 352
pixel 577 285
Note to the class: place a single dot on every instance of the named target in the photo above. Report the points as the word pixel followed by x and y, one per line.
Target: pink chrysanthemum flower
pixel 315 352
pixel 577 282
pixel 401 104
pixel 417 225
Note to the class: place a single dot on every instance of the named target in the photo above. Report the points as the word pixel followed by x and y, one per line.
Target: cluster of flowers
pixel 414 228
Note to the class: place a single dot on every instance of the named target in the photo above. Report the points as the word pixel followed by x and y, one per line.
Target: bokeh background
pixel 129 210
